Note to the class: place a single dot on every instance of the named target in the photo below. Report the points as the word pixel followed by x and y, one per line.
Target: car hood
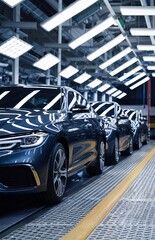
pixel 19 121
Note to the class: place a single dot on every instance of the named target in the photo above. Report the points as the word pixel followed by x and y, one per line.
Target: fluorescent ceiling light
pixel 137 10
pixel 94 83
pixel 146 47
pixel 139 83
pixel 135 78
pixel 149 58
pixel 115 58
pixel 66 14
pixel 104 87
pixel 150 67
pixel 121 95
pixel 46 62
pixel 4 64
pixel 12 3
pixel 142 31
pixel 106 47
pixel 128 74
pixel 112 90
pixel 153 74
pixel 123 66
pixel 93 32
pixel 82 78
pixel 14 47
pixel 68 71
pixel 115 94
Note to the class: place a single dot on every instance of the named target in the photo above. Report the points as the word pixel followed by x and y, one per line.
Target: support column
pixel 110 98
pixel 95 97
pixel 48 77
pixel 86 95
pixel 149 101
pixel 15 65
pixel 59 41
pixel 103 98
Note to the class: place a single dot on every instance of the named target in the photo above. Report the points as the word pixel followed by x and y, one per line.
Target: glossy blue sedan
pixel 46 135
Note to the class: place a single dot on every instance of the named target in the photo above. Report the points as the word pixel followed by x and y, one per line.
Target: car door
pixel 80 131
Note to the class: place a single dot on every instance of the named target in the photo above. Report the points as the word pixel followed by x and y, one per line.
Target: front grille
pixel 17 176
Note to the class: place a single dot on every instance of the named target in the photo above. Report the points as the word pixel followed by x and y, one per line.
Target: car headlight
pixel 23 141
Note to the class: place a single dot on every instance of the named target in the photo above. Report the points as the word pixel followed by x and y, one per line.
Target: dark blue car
pixel 46 135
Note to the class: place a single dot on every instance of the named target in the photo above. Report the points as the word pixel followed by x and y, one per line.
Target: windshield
pixel 104 109
pixel 33 98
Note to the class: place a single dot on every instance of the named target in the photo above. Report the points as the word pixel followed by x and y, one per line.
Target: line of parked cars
pixel 48 134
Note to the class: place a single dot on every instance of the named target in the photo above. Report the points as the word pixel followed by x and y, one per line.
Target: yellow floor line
pixel 87 225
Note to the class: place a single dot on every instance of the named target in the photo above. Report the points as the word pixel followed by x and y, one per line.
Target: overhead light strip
pixel 94 83
pixel 93 32
pixel 109 92
pixel 66 14
pixel 12 3
pixel 149 58
pixel 106 47
pixel 137 10
pixel 46 62
pixel 82 78
pixel 115 58
pixel 146 47
pixel 115 94
pixel 121 95
pixel 142 31
pixel 123 66
pixel 104 87
pixel 128 74
pixel 14 47
pixel 68 72
pixel 139 83
pixel 151 68
pixel 135 78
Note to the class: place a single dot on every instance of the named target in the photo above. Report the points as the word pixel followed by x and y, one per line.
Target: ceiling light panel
pixel 93 32
pixel 82 78
pixel 128 74
pixel 123 66
pixel 142 31
pixel 151 68
pixel 139 83
pixel 94 83
pixel 68 72
pixel 106 47
pixel 112 90
pixel 153 74
pixel 121 95
pixel 137 10
pixel 146 47
pixel 12 3
pixel 104 87
pixel 66 14
pixel 115 58
pixel 149 58
pixel 115 94
pixel 135 78
pixel 14 47
pixel 46 62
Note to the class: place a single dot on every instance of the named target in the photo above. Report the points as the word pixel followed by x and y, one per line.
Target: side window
pixel 72 99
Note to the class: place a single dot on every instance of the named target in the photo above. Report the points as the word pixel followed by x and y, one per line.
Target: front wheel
pixel 57 175
pixel 96 168
pixel 129 150
pixel 116 154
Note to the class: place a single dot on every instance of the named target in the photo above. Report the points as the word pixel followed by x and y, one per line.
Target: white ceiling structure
pixel 89 45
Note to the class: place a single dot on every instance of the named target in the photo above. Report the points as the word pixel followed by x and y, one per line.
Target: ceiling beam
pixel 22 25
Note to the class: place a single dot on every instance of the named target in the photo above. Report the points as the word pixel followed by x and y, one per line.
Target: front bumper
pixel 24 170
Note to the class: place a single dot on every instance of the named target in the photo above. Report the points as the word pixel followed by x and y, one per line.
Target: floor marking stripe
pixel 98 213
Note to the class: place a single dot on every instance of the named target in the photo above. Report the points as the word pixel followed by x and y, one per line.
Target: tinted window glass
pixel 104 109
pixel 33 98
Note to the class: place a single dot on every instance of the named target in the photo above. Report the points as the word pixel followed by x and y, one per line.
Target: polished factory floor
pixel 84 212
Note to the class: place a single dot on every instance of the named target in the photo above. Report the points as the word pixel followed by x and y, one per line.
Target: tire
pixel 129 150
pixel 96 168
pixel 115 155
pixel 57 176
pixel 146 140
pixel 139 143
